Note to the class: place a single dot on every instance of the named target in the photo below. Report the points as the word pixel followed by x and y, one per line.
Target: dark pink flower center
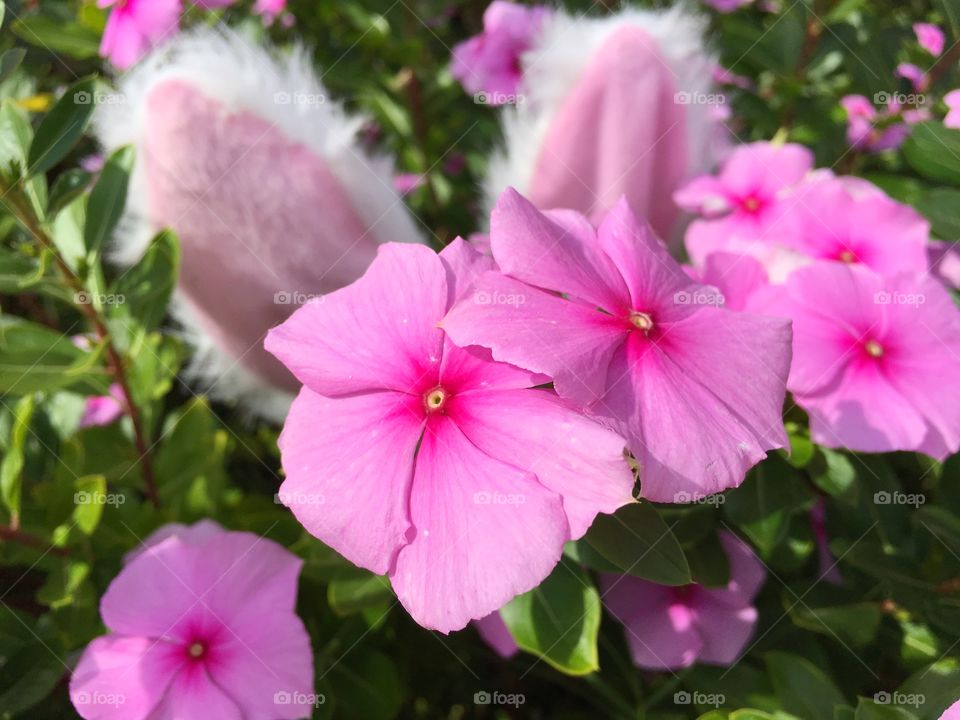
pixel 751 204
pixel 641 321
pixel 873 349
pixel 196 650
pixel 435 400
pixel 847 256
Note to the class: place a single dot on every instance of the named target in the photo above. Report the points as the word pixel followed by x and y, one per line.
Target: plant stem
pixel 10 534
pixel 25 215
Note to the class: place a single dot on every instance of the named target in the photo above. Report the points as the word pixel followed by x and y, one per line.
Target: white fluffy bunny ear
pixel 613 106
pixel 243 153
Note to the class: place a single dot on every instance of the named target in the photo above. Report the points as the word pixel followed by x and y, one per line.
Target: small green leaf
pixel 934 151
pixel 64 584
pixel 62 127
pixel 802 687
pixel 368 684
pixel 59 37
pixel 90 495
pixel 147 286
pixel 11 467
pixel 855 624
pixel 34 358
pixel 67 188
pixel 107 199
pixel 559 621
pixel 941 206
pixel 10 61
pixel 639 542
pixel 871 710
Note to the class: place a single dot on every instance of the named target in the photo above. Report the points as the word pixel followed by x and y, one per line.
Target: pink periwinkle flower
pixel 669 628
pixel 952 712
pixel 945 262
pixel 873 359
pixel 750 206
pixel 929 37
pixel 201 624
pixel 952 100
pixel 917 77
pixel 134 26
pixel 495 633
pixel 429 462
pixel 269 10
pixel 626 334
pixel 103 409
pixel 736 277
pixel 875 131
pixel 491 62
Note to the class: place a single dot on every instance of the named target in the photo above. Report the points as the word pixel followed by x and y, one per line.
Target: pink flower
pixel 930 37
pixel 428 462
pixel 736 277
pixel 201 624
pixel 727 6
pixel 952 99
pixel 945 262
pixel 861 224
pixel 873 357
pixel 750 207
pixel 406 183
pixel 952 712
pixel 669 628
pixel 631 338
pixel 269 9
pixel 873 131
pixel 211 4
pixel 134 26
pixel 495 633
pixel 103 409
pixel 728 77
pixel 490 62
pixel 916 76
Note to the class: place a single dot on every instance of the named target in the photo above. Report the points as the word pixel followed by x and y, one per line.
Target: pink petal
pixel 704 195
pixel 747 573
pixel 473 368
pixel 123 42
pixel 123 678
pixel 724 631
pixel 737 277
pixel 485 532
pixel 378 333
pixel 349 462
pixel 629 598
pixel 464 264
pixel 194 695
pixel 930 37
pixel 539 434
pixel 495 633
pixel 157 19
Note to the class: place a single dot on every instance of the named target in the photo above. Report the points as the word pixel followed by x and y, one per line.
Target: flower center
pixel 751 204
pixel 873 348
pixel 641 321
pixel 434 400
pixel 196 650
pixel 847 256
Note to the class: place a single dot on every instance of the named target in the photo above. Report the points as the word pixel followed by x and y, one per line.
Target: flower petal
pixel 194 695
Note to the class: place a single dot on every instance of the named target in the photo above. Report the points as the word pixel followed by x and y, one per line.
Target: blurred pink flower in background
pixel 491 62
pixel 737 277
pixel 870 355
pixel 435 465
pixel 135 26
pixel 406 183
pixel 952 100
pixel 626 334
pixel 103 409
pixel 269 9
pixel 669 628
pixel 930 37
pixel 195 620
pixel 875 130
pixel 917 77
pixel 727 6
pixel 727 77
pixel 945 262
pixel 495 633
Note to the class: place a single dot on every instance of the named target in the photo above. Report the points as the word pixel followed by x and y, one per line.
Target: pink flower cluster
pixel 874 333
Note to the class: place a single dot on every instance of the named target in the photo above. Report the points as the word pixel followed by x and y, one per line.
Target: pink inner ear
pixel 261 219
pixel 620 131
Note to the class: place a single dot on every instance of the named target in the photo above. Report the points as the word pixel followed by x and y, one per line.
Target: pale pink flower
pixel 496 634
pixel 103 409
pixel 952 712
pixel 269 9
pixel 952 100
pixel 491 62
pixel 669 628
pixel 134 26
pixel 201 623
pixel 873 358
pixel 428 462
pixel 736 277
pixel 917 77
pixel 875 131
pixel 625 333
pixel 929 37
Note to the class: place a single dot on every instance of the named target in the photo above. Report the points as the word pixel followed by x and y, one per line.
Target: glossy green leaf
pixel 147 286
pixel 107 199
pixel 802 687
pixel 58 37
pixel 11 467
pixel 62 127
pixel 934 151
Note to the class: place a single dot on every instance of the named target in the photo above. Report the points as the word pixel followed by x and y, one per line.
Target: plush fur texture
pixel 562 54
pixel 246 156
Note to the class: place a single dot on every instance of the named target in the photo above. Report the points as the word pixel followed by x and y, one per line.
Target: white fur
pixel 228 68
pixel 552 67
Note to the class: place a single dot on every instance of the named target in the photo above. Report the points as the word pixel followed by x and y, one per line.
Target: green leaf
pixel 64 584
pixel 802 687
pixel 871 710
pixel 90 495
pixel 57 36
pixel 836 475
pixel 190 462
pixel 934 151
pixel 639 542
pixel 10 61
pixel 30 655
pixel 941 206
pixel 147 286
pixel 367 685
pixel 107 199
pixel 62 127
pixel 709 563
pixel 357 591
pixel 854 624
pixel 67 188
pixel 559 621
pixel 16 136
pixel 11 467
pixel 934 686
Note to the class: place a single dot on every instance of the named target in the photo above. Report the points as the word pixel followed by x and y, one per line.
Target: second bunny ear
pixel 614 106
pixel 244 155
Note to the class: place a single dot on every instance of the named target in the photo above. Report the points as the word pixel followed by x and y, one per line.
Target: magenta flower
pixel 495 633
pixel 269 9
pixel 749 208
pixel 490 62
pixel 952 712
pixel 915 74
pixel 634 340
pixel 736 277
pixel 952 100
pixel 428 462
pixel 861 224
pixel 930 37
pixel 875 131
pixel 727 6
pixel 103 409
pixel 202 624
pixel 669 628
pixel 134 26
pixel 870 358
